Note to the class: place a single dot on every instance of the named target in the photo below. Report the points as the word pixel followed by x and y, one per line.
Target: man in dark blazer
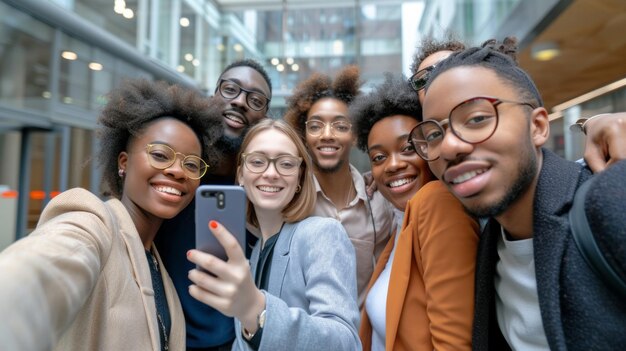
pixel 483 131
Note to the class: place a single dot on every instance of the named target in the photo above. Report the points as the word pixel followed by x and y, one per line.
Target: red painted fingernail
pixel 188 253
pixel 213 224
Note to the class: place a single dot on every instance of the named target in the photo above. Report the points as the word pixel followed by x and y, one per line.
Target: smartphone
pixel 225 204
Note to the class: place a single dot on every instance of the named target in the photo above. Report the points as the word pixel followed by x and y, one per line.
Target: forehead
pixel 272 142
pixel 248 78
pixel 458 84
pixel 172 132
pixel 434 58
pixel 329 107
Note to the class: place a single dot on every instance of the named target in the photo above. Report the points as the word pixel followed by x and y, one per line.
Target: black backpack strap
pixel 586 242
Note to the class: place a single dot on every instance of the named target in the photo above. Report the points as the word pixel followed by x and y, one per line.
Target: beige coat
pixel 81 281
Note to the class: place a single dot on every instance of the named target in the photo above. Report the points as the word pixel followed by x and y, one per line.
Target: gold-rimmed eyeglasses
pixel 162 156
pixel 337 128
pixel 284 164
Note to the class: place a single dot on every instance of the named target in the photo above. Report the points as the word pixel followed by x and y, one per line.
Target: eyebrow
pixel 277 155
pixel 335 118
pixel 403 137
pixel 173 148
pixel 254 89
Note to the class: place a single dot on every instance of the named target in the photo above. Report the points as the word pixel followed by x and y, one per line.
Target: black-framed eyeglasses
pixel 162 156
pixel 230 90
pixel 420 78
pixel 337 128
pixel 472 121
pixel 257 162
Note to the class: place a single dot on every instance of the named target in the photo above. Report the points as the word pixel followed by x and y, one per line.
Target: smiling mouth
pixel 467 176
pixel 269 189
pixel 235 118
pixel 400 182
pixel 328 149
pixel 168 190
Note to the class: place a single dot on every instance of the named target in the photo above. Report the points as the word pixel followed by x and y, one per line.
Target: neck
pixel 517 220
pixel 146 224
pixel 337 186
pixel 269 222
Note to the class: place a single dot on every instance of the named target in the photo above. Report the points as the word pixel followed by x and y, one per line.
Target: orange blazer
pixel 430 301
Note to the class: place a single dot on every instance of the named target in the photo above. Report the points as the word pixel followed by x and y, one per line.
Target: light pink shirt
pixel 357 220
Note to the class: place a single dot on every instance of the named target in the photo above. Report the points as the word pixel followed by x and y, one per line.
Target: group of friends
pixel 459 238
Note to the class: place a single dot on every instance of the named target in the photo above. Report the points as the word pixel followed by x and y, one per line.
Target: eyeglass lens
pixel 259 163
pixel 316 128
pixel 163 156
pixel 473 121
pixel 420 78
pixel 231 90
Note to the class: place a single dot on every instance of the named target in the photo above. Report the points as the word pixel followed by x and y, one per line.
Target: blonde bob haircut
pixel 303 202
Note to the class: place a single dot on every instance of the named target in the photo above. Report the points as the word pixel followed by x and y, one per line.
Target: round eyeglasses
pixel 420 78
pixel 258 163
pixel 472 121
pixel 230 90
pixel 162 156
pixel 337 128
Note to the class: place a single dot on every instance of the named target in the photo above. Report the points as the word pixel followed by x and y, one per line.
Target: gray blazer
pixel 311 302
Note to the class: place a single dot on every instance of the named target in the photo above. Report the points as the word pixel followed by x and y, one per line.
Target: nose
pixel 327 132
pixel 395 163
pixel 271 171
pixel 452 147
pixel 240 100
pixel 176 170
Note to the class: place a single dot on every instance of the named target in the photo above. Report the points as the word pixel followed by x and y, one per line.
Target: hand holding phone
pixel 225 204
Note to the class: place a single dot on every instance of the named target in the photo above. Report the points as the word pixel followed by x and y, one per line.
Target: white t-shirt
pixel 517 301
pixel 376 301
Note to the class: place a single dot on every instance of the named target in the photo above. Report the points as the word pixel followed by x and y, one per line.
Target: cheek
pixel 437 167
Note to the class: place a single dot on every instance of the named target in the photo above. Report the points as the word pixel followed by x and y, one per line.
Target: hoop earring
pixel 121 173
pixel 298 188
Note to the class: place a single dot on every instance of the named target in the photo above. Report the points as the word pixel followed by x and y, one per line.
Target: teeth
pixel 168 190
pixel 269 189
pixel 234 118
pixel 328 149
pixel 467 176
pixel 400 182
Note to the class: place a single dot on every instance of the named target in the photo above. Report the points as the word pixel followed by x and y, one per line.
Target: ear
pixel 122 160
pixel 239 176
pixel 539 126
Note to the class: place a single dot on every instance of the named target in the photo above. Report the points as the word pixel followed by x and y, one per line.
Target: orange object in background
pixel 34 195
pixel 8 194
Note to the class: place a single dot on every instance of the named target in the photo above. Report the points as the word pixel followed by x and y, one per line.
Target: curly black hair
pixel 501 59
pixel 392 97
pixel 429 45
pixel 252 64
pixel 139 102
pixel 345 87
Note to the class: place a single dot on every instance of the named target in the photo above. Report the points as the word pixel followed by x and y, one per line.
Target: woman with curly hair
pixel 89 276
pixel 420 295
pixel 318 110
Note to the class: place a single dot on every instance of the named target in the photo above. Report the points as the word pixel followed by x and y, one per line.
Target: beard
pixel 230 145
pixel 328 169
pixel 525 175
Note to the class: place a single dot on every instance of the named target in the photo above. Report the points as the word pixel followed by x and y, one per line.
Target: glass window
pixel 25 47
pixel 119 17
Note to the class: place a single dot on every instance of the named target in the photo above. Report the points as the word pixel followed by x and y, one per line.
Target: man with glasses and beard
pixel 483 131
pixel 245 91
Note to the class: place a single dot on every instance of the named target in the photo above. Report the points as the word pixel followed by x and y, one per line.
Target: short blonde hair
pixel 303 202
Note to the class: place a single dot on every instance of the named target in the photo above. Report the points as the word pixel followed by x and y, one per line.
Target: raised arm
pixel 47 276
pixel 605 141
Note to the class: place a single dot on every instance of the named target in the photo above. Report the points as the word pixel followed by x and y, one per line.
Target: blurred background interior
pixel 59 58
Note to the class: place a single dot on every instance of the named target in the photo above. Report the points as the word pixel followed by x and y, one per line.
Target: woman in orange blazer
pixel 420 296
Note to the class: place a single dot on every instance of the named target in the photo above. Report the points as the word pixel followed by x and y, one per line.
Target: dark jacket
pixel 579 311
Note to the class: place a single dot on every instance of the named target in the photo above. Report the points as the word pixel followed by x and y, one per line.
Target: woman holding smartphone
pixel 299 290
pixel 89 276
